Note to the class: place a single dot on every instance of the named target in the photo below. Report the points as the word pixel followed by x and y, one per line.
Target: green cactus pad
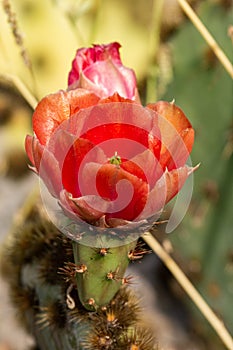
pixel 103 276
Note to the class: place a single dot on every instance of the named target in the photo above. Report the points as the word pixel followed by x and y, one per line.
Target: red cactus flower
pixel 100 70
pixel 110 161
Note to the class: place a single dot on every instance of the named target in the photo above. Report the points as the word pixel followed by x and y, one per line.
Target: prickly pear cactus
pixel 38 263
pixel 100 273
pixel 204 89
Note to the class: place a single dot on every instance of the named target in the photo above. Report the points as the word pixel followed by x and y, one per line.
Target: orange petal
pixel 49 113
pixel 80 98
pixel 176 133
pixel 165 189
pixel 53 109
pixel 115 98
pixel 46 166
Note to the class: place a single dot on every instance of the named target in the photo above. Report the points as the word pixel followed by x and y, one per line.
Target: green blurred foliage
pixel 204 90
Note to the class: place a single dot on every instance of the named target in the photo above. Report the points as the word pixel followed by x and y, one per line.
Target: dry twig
pixel 192 292
pixel 207 36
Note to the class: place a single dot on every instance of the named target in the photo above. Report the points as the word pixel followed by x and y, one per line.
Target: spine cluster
pixel 52 292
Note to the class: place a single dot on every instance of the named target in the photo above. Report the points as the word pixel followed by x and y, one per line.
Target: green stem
pixel 100 272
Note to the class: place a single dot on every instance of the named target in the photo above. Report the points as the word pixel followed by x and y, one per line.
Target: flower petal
pixel 165 189
pixel 53 109
pixel 81 98
pixel 49 172
pixel 34 150
pixel 49 113
pixel 83 207
pixel 86 57
pixel 176 132
pixel 117 79
pixel 100 70
pixel 28 148
pixel 127 193
pixel 144 166
pixel 81 152
pixel 115 98
pixel 125 128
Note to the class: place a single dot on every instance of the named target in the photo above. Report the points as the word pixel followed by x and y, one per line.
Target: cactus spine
pixel 37 261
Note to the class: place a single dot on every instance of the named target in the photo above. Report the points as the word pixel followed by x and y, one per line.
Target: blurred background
pixel 171 61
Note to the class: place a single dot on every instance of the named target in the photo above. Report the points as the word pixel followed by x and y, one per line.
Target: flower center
pixel 115 159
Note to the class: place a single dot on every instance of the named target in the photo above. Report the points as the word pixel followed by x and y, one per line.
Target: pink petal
pixel 50 173
pixel 34 150
pixel 100 70
pixel 83 207
pixel 109 78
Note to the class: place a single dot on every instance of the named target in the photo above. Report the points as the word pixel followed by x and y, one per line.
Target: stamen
pixel 115 159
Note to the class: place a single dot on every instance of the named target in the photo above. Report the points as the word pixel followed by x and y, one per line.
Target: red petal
pixel 125 128
pixel 165 189
pixel 176 133
pixel 53 109
pixel 34 150
pixel 126 140
pixel 46 165
pixel 143 166
pixel 127 194
pixel 60 143
pixel 81 151
pixel 88 179
pixel 175 180
pixel 28 148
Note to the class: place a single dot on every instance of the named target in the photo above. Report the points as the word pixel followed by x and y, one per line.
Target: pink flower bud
pixel 100 70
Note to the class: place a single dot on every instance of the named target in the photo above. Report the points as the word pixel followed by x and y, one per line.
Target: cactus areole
pixel 112 165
